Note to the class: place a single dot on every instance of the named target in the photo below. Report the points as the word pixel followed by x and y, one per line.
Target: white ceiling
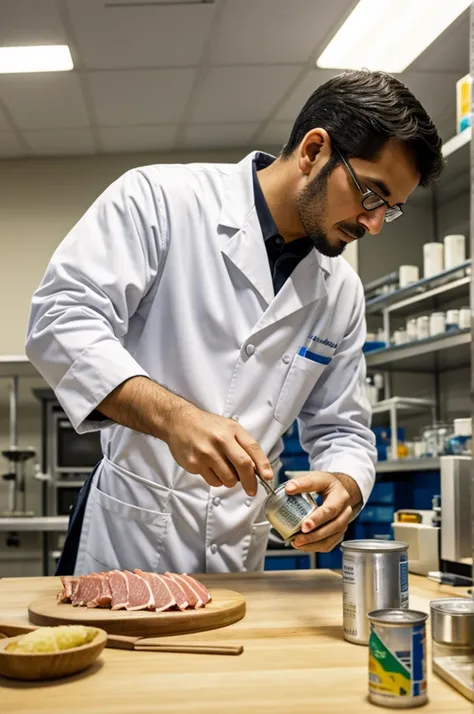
pixel 164 75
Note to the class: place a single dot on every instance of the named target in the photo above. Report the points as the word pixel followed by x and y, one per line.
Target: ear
pixel 314 149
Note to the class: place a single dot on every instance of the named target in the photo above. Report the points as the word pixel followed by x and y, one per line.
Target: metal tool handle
pixel 269 489
pixel 192 649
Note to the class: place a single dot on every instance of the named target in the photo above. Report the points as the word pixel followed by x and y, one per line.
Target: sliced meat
pixel 194 599
pixel 140 596
pixel 68 581
pixel 160 588
pixel 177 591
pixel 118 584
pixel 103 598
pixel 202 591
pixel 88 589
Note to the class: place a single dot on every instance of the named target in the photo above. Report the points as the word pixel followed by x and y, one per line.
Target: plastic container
pixel 408 274
pixel 454 251
pixel 464 318
pixel 437 323
pixel 433 259
pixel 452 320
pixel 463 103
pixel 411 329
pixel 422 327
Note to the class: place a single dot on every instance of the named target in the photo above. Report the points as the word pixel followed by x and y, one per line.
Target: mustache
pixel 354 231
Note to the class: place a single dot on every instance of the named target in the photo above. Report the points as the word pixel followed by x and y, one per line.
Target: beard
pixel 311 206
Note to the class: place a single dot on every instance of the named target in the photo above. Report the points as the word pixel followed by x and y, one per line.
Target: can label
pixel 397 662
pixel 351 626
pixel 294 510
pixel 404 597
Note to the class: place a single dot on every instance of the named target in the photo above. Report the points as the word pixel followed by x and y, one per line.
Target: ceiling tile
pixel 137 138
pixel 50 100
pixel 275 134
pixel 449 52
pixel 141 96
pixel 9 145
pixel 25 22
pixel 235 94
pixel 250 30
pixel 214 136
pixel 69 142
pixel 292 107
pixel 141 36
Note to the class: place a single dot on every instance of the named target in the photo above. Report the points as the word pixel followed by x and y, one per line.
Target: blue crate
pixel 382 531
pixel 287 562
pixel 383 434
pixel 425 486
pixel 330 561
pixel 377 514
pixel 394 493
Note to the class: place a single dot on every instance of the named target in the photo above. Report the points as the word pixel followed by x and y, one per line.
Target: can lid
pixel 397 616
pixel 374 546
pixel 453 605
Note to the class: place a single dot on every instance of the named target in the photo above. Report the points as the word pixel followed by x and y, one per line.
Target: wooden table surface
pixel 295 658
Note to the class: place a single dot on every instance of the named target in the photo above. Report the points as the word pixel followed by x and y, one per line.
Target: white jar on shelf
pixel 464 318
pixel 422 327
pixel 452 319
pixel 433 259
pixel 412 333
pixel 454 251
pixel 437 323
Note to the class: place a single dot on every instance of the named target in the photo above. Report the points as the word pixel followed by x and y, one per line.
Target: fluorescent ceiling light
pixel 46 58
pixel 388 35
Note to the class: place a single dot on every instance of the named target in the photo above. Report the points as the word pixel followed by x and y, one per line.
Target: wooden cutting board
pixel 225 608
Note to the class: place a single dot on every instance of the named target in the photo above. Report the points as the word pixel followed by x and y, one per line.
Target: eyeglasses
pixel 371 199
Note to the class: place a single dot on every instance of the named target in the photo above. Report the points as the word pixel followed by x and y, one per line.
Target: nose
pixel 372 221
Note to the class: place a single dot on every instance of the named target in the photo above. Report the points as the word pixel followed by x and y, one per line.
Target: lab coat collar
pixel 239 196
pixel 246 248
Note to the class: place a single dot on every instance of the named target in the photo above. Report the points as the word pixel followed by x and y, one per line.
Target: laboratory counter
pixel 295 657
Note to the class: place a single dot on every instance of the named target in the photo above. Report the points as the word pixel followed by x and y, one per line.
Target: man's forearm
pixel 142 405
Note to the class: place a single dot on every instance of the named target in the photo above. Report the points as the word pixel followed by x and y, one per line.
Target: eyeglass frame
pixel 391 212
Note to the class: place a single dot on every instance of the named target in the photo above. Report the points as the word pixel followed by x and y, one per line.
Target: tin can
pixel 397 658
pixel 286 512
pixel 375 577
pixel 452 623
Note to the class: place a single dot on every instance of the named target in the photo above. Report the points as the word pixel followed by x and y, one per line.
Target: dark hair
pixel 361 111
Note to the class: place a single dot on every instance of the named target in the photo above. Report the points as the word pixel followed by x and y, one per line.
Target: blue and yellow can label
pixel 397 661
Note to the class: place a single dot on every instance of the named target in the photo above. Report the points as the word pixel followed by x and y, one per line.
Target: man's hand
pixel 325 528
pixel 218 449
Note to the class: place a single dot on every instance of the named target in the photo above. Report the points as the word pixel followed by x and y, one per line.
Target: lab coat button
pixel 250 349
pixel 286 359
pixel 248 502
pixel 216 501
pixel 213 548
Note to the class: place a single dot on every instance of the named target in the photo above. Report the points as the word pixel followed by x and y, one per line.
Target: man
pixel 195 311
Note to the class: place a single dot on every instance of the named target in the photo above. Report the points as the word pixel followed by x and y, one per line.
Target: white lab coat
pixel 166 275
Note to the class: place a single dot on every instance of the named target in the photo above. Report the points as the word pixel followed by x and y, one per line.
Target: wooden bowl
pixel 49 665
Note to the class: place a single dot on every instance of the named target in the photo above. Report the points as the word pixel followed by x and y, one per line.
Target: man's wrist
pixel 352 488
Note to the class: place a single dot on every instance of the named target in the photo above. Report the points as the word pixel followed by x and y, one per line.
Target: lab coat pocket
pixel 255 559
pixel 124 536
pixel 299 382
